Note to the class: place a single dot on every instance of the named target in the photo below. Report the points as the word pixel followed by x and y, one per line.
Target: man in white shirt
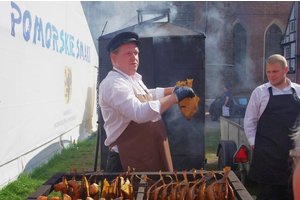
pixel 271 113
pixel 136 135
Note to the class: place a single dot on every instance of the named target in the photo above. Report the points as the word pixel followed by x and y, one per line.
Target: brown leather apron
pixel 145 146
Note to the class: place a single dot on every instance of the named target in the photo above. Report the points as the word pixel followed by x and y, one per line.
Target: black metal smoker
pixel 168 54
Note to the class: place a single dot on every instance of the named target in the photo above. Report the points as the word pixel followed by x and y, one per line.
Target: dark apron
pixel 145 146
pixel 271 163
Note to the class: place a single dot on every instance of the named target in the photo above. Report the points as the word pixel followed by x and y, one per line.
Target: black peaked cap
pixel 123 38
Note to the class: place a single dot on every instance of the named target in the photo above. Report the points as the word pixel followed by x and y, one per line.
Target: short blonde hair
pixel 277 58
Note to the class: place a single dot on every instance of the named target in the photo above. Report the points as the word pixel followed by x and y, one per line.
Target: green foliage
pixel 212 138
pixel 21 188
pixel 80 155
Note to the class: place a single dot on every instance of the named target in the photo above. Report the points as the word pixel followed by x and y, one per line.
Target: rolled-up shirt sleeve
pixel 157 93
pixel 123 99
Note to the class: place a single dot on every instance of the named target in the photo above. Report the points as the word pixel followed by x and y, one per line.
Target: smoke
pixel 220 67
pixel 121 14
pixel 105 17
pixel 185 137
pixel 214 37
pixel 118 15
pixel 215 60
pixel 248 70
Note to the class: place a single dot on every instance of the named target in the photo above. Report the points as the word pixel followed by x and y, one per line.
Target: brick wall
pixel 216 20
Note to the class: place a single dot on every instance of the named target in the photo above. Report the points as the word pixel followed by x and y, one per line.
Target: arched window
pixel 272 43
pixel 239 51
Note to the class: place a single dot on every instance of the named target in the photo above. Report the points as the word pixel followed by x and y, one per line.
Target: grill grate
pixel 140 186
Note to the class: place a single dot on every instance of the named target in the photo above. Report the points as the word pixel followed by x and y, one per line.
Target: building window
pixel 239 51
pixel 291 66
pixel 272 43
pixel 292 26
pixel 287 52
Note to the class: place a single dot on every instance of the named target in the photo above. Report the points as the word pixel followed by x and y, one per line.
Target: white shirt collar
pixel 136 77
pixel 288 87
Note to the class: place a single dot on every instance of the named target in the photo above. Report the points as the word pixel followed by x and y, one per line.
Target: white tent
pixel 48 76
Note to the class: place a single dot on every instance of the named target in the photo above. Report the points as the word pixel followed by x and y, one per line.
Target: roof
pixel 157 29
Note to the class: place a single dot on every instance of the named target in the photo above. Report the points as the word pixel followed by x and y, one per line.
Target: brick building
pixel 239 35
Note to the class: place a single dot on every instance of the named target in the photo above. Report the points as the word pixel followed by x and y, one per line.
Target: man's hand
pixel 184 92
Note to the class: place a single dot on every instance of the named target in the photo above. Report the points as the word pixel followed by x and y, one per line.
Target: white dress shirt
pixel 119 106
pixel 258 103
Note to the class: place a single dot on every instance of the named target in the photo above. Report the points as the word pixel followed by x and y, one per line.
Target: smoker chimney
pixel 162 12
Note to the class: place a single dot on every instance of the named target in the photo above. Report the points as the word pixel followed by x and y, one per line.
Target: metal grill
pixel 140 186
